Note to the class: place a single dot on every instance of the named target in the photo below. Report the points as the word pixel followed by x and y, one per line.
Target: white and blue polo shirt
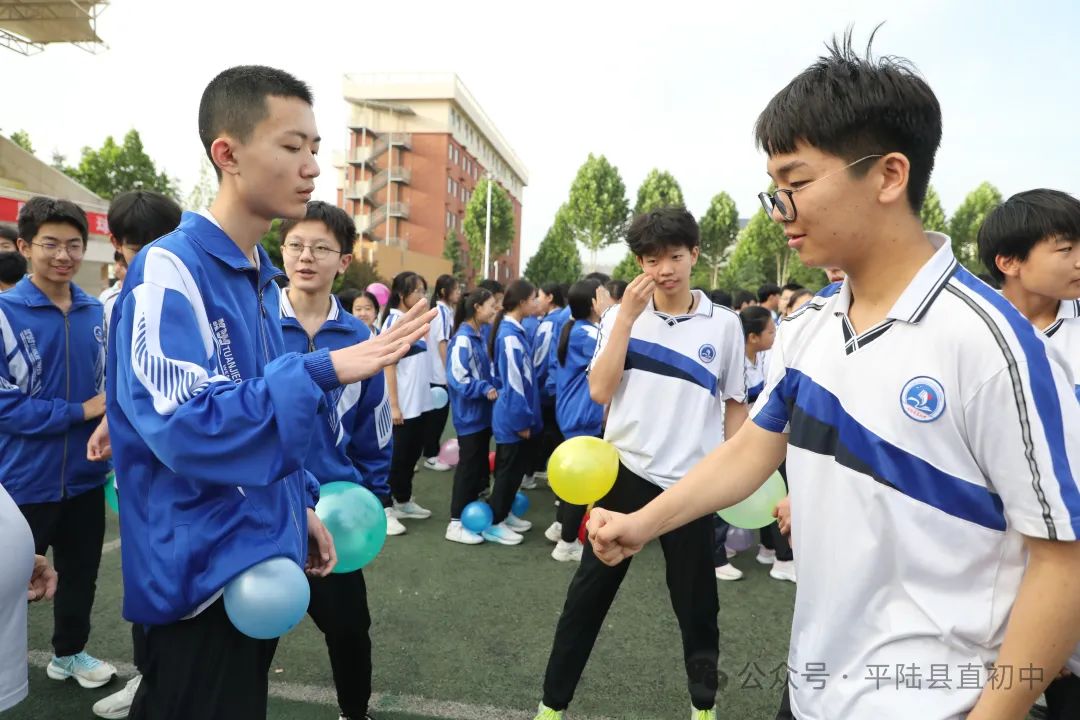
pixel 413 374
pixel 919 452
pixel 439 331
pixel 668 411
pixel 1063 335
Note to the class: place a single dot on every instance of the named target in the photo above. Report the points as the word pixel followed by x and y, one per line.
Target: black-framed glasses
pixel 783 200
pixel 295 249
pixel 74 249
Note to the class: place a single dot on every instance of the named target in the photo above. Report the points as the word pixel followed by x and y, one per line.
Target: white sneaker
pixel 783 570
pixel 528 482
pixel 87 670
pixel 118 705
pixel 393 525
pixel 765 556
pixel 540 475
pixel 568 551
pixel 554 532
pixel 516 524
pixel 502 535
pixel 411 510
pixel 436 464
pixel 728 572
pixel 730 553
pixel 456 532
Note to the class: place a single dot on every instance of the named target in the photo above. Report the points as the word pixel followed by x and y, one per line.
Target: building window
pixel 450 152
pixel 449 186
pixel 448 219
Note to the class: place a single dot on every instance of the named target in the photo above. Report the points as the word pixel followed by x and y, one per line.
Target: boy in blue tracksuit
pixel 550 302
pixel 211 421
pixel 472 392
pixel 51 384
pixel 516 419
pixel 352 442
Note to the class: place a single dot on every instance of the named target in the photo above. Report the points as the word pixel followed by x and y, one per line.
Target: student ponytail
pixel 466 307
pixel 518 292
pixel 444 288
pixel 755 319
pixel 402 286
pixel 580 298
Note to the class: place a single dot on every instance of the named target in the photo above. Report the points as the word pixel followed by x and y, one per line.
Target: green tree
pixel 932 214
pixel 360 274
pixel 761 255
pixel 22 139
pixel 719 228
pixel 659 189
pixel 502 223
pixel 113 169
pixel 202 194
pixel 557 258
pixel 271 243
pixel 965 222
pixel 597 208
pixel 627 269
pixel 452 252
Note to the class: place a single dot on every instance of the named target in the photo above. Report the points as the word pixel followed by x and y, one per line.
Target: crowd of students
pixel 927 424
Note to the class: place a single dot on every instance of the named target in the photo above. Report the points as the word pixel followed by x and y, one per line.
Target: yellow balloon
pixel 583 469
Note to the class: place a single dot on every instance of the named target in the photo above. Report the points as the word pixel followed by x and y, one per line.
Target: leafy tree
pixel 502 223
pixel 557 258
pixel 659 189
pixel 205 188
pixel 22 139
pixel 932 214
pixel 597 208
pixel 719 229
pixel 113 169
pixel 965 222
pixel 452 252
pixel 627 269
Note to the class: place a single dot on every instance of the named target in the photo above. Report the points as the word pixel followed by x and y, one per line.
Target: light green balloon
pixel 756 511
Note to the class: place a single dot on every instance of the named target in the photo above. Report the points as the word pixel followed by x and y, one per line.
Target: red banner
pixel 98 223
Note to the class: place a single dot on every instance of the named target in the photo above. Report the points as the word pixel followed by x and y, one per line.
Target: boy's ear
pixel 695 253
pixel 115 242
pixel 1009 266
pixel 223 153
pixel 346 260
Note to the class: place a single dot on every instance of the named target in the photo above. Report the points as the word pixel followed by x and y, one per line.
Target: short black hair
pixel 492 286
pixel 347 296
pixel 852 106
pixel 1023 221
pixel 12 267
pixel 663 228
pixel 742 297
pixel 558 298
pixel 444 287
pixel 616 288
pixel 336 220
pixel 791 286
pixel 139 217
pixel 8 232
pixel 754 320
pixel 766 291
pixel 602 278
pixel 40 210
pixel 720 297
pixel 235 102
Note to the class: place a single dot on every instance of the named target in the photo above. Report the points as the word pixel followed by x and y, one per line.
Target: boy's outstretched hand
pixel 615 536
pixel 361 361
pixel 321 554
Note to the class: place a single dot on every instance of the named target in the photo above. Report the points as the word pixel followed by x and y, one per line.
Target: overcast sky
pixel 674 85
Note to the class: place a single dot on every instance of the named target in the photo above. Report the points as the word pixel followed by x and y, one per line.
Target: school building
pixel 418 146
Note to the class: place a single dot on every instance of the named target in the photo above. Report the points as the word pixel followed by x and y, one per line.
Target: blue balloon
pixel 268 600
pixel 477 516
pixel 356 520
pixel 439 397
pixel 521 504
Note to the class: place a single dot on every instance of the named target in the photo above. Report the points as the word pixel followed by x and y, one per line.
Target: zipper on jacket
pixel 67 397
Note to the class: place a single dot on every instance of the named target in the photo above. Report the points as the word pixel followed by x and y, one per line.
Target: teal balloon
pixel 111 498
pixel 439 398
pixel 520 505
pixel 268 600
pixel 356 520
pixel 756 511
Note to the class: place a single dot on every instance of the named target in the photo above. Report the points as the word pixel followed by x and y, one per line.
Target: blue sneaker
pixel 87 670
pixel 502 535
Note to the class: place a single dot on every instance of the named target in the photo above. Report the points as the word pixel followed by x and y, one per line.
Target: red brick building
pixel 418 146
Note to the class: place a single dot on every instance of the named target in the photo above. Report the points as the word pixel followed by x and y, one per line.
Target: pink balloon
pixel 380 291
pixel 450 453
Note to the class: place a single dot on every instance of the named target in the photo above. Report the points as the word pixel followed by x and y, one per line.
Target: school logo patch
pixel 99 334
pixel 923 399
pixel 707 353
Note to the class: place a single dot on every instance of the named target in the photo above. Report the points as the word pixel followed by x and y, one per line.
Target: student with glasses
pixel 52 382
